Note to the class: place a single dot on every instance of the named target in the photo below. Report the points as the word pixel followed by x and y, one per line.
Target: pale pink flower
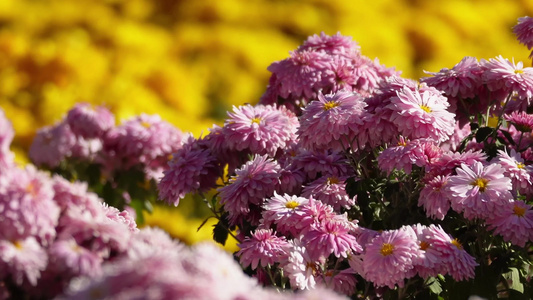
pixel 331 190
pixel 502 74
pixel 22 260
pixel 88 121
pixel 515 168
pixel 478 190
pixel 336 44
pixel 524 32
pixel 422 114
pixel 449 161
pixel 263 248
pixel 401 157
pixel 462 81
pixel 261 129
pixel 388 258
pixel 70 259
pixel 331 236
pixel 330 121
pixel 326 163
pixel 342 282
pixel 284 211
pixel 254 181
pixel 6 137
pixel 428 261
pixel 312 214
pixel 52 144
pixel 434 199
pixel 522 121
pixel 301 269
pixel 514 222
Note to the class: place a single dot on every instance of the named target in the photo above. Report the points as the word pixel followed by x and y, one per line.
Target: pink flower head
pixel 502 74
pixel 428 261
pixel 263 248
pixel 74 195
pixel 301 269
pixel 514 223
pixel 515 168
pixel 329 122
pixel 330 190
pixel 254 181
pixel 52 144
pixel 462 81
pixel 192 168
pixel 326 163
pixel 262 129
pixel 420 152
pixel 89 122
pixel 434 199
pixel 144 139
pixel 342 282
pixel 6 137
pixel 70 259
pixel 388 258
pixel 458 263
pixel 23 260
pixel 284 211
pixel 524 32
pixel 422 114
pixel 478 190
pixel 332 236
pixel 334 45
pixel 27 206
pixel 312 214
pixel 522 121
pixel 449 161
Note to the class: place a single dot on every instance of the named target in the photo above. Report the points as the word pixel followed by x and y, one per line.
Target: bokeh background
pixel 191 60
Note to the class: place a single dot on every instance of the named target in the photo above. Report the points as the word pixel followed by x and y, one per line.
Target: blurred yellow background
pixel 190 61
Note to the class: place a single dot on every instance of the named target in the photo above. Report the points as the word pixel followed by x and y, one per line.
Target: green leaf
pixel 220 231
pixel 513 278
pixel 483 133
pixel 435 286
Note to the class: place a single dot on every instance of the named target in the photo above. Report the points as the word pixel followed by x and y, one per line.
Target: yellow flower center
pixel 330 104
pixel 425 108
pixel 519 211
pixel 387 249
pixel 424 245
pixel 333 180
pixel 520 165
pixel 519 71
pixel 481 183
pixel 146 124
pixel 256 120
pixel 30 189
pixel 17 244
pixel 292 204
pixel 456 243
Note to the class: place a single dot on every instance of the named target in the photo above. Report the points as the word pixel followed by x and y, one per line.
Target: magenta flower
pixel 52 144
pixel 262 129
pixel 342 282
pixel 449 161
pixel 262 248
pixel 254 181
pixel 515 168
pixel 477 190
pixel 312 214
pixel 522 121
pixel 388 258
pixel 330 190
pixel 327 163
pixel 462 81
pixel 22 260
pixel 335 45
pixel 502 74
pixel 27 206
pixel 429 261
pixel 191 169
pixel 332 236
pixel 458 263
pixel 422 114
pixel 90 122
pixel 331 121
pixel 514 222
pixel 434 199
pixel 524 32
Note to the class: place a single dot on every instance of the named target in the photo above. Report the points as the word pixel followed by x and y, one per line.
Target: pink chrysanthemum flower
pixel 6 137
pixel 335 44
pixel 284 211
pixel 254 181
pixel 192 168
pixel 502 74
pixel 22 260
pixel 312 214
pixel 301 269
pixel 524 32
pixel 291 181
pixel 434 199
pixel 420 152
pixel 262 129
pixel 262 248
pixel 68 258
pixel 326 163
pixel 449 161
pixel 515 169
pixel 89 122
pixel 388 258
pixel 428 261
pixel 330 190
pixel 460 132
pixel 27 206
pixel 514 223
pixel 422 114
pixel 330 121
pixel 458 263
pixel 478 190
pixel 144 139
pixel 342 282
pixel 332 236
pixel 52 144
pixel 462 81
pixel 522 121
